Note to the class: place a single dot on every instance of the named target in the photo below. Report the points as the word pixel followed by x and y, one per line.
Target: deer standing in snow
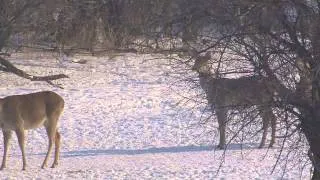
pixel 224 94
pixel 23 112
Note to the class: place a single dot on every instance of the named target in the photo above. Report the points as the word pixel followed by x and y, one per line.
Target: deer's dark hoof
pixel 221 146
pixel 271 145
pixel 261 146
pixel 54 165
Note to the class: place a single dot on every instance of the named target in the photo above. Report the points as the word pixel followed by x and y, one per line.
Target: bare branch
pixel 9 67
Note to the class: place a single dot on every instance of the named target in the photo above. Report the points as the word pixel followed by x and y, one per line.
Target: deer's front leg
pixel 6 140
pixel 273 128
pixel 222 120
pixel 20 136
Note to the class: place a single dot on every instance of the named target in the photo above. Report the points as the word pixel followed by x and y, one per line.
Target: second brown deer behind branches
pixel 224 94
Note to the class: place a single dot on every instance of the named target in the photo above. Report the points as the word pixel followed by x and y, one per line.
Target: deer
pixel 19 113
pixel 224 94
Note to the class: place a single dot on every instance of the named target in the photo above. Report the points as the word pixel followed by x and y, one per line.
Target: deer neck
pixel 204 71
pixel 205 79
pixel 205 74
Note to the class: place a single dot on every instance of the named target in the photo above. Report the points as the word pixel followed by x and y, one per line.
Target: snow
pixel 124 119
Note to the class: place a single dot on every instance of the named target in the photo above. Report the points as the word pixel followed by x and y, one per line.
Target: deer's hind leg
pixel 7 134
pixel 267 118
pixel 57 149
pixel 222 120
pixel 265 125
pixel 53 137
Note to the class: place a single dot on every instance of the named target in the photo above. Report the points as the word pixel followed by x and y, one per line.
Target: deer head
pixel 201 63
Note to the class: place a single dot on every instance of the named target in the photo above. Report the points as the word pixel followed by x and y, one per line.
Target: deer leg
pixel 57 149
pixel 51 137
pixel 6 140
pixel 265 125
pixel 222 118
pixel 273 129
pixel 20 135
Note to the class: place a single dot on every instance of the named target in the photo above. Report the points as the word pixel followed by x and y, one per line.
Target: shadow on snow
pixel 178 149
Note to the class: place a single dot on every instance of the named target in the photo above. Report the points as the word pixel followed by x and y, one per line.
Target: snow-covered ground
pixel 124 119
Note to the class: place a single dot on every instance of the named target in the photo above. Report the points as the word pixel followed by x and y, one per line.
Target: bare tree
pixel 279 40
pixel 13 15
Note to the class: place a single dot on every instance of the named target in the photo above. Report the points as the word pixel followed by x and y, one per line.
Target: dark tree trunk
pixel 315 157
pixel 311 129
pixel 4 35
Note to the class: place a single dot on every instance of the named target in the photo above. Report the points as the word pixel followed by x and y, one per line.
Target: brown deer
pixel 23 112
pixel 224 94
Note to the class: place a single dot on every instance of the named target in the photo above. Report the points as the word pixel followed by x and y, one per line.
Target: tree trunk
pixel 315 157
pixel 311 129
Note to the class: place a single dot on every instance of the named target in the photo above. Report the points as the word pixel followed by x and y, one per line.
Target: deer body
pixel 224 94
pixel 23 112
